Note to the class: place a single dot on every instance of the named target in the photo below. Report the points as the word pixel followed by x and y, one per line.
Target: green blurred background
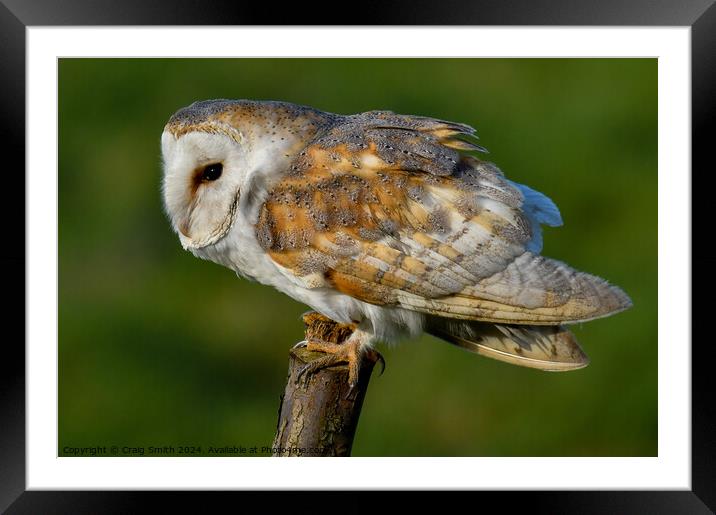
pixel 159 348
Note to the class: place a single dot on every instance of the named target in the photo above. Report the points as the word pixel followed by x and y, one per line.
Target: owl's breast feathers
pixel 389 210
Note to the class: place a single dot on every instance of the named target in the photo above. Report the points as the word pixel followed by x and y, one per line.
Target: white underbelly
pixel 240 251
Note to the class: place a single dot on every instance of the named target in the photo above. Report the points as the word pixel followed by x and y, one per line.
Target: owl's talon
pixel 303 377
pixel 301 344
pixel 337 353
pixel 379 359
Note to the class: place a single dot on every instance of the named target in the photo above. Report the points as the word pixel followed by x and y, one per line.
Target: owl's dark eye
pixel 212 172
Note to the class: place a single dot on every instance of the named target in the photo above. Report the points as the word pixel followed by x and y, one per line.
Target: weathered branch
pixel 319 413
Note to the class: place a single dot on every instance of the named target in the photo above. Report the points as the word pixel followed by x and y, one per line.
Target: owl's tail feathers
pixel 549 348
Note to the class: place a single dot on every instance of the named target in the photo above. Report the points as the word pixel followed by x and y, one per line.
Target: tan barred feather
pixel 549 348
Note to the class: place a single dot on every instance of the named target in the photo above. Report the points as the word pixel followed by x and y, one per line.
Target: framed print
pixel 147 369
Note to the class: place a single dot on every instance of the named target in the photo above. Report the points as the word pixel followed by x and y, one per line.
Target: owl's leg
pixel 351 352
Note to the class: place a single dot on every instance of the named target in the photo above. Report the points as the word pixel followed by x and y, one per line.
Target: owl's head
pixel 214 151
pixel 203 175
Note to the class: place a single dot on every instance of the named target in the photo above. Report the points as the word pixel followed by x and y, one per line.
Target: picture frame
pixel 15 17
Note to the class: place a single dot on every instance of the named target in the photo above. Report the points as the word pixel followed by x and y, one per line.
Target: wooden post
pixel 319 413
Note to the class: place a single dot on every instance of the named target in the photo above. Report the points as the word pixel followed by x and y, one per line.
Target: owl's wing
pixel 388 209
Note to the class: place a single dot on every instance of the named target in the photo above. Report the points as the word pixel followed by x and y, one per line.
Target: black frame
pixel 700 15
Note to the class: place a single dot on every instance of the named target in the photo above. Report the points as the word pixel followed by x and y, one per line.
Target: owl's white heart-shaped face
pixel 203 172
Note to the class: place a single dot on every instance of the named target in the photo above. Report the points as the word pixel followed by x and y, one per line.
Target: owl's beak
pixel 193 240
pixel 186 242
pixel 182 230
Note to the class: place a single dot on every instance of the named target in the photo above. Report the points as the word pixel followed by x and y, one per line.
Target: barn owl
pixel 384 221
